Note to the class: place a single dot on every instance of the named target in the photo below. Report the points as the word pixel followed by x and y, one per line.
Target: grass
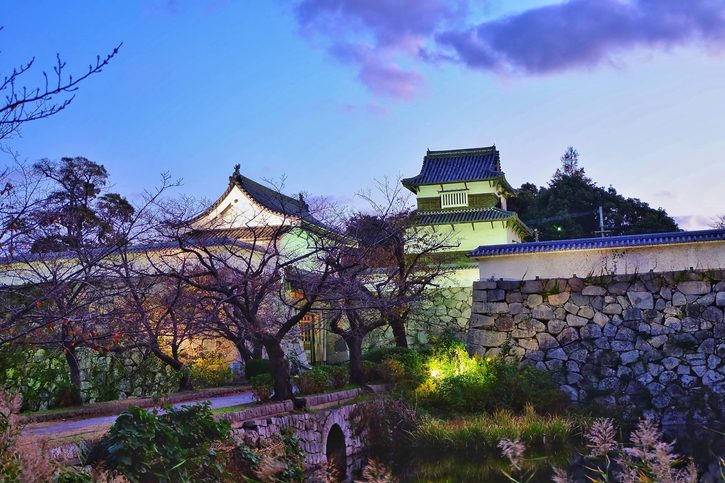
pixel 234 409
pixel 483 432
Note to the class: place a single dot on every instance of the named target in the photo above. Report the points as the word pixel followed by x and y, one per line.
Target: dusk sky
pixel 333 94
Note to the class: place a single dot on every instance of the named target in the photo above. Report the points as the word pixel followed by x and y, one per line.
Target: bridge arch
pixel 336 450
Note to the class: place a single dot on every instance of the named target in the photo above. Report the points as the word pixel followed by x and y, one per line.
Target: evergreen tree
pixel 567 207
pixel 77 213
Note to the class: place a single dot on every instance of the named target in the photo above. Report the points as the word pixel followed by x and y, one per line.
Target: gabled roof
pixel 277 202
pixel 624 241
pixel 457 165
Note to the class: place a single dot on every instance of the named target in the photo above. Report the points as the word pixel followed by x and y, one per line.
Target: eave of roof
pixel 459 165
pixel 282 205
pixel 447 217
pixel 625 241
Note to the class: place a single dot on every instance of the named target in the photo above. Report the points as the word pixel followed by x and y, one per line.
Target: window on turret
pixel 454 199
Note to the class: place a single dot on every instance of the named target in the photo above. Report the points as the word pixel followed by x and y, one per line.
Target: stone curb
pixel 117 407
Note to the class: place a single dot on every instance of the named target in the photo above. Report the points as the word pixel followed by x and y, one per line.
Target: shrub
pixel 411 360
pixel 339 376
pixel 392 370
pixel 174 446
pixel 461 384
pixel 210 370
pixel 41 376
pixel 379 354
pixel 262 386
pixel 314 381
pixel 371 371
pixel 384 422
pixel 256 367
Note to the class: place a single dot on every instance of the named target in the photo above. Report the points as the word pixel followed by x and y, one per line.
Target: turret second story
pixel 459 179
pixel 464 191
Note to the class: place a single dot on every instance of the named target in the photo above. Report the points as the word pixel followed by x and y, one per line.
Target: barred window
pixel 452 199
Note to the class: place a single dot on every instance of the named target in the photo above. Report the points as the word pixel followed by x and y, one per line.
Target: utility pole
pixel 602 232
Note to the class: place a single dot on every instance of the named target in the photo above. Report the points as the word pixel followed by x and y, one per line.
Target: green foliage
pixel 210 369
pixel 314 381
pixel 458 383
pixel 174 446
pixel 566 208
pixel 248 455
pixel 339 376
pixel 293 459
pixel 71 474
pixel 256 367
pixel 105 376
pixel 371 371
pixel 483 432
pixel 262 386
pixel 79 211
pixel 41 376
pixel 392 370
pixel 398 364
pixel 135 373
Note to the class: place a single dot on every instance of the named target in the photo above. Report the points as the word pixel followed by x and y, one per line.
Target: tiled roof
pixel 249 234
pixel 268 198
pixel 463 216
pixel 271 199
pixel 457 165
pixel 598 243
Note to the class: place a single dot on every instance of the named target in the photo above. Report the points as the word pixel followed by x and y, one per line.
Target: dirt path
pixel 65 429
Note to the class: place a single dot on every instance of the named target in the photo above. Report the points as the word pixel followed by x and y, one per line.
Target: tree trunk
pixel 185 383
pixel 74 367
pixel 398 326
pixel 280 369
pixel 257 350
pixel 354 345
pixel 244 351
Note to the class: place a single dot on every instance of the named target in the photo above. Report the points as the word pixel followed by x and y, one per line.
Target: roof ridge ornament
pixel 236 174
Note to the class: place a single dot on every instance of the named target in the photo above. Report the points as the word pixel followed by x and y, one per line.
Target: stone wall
pixel 447 309
pixel 652 343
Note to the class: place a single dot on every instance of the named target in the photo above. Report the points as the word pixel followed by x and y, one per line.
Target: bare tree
pixel 25 103
pixel 718 222
pixel 65 299
pixel 265 274
pixel 159 313
pixel 408 260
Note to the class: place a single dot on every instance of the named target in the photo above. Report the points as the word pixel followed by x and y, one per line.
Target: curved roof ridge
pixel 457 165
pixel 644 239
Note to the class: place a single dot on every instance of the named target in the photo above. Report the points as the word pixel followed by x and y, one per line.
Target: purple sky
pixel 335 93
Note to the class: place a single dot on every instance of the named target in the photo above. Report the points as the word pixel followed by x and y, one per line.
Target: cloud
pixel 378 71
pixel 390 23
pixel 581 33
pixel 377 36
pixel 389 40
pixel 694 222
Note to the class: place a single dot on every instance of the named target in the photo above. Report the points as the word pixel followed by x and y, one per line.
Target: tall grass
pixel 484 431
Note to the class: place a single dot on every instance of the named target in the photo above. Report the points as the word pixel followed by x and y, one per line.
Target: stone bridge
pixel 325 431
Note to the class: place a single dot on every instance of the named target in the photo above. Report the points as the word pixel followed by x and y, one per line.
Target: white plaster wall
pixel 237 210
pixel 461 277
pixel 471 236
pixel 583 263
